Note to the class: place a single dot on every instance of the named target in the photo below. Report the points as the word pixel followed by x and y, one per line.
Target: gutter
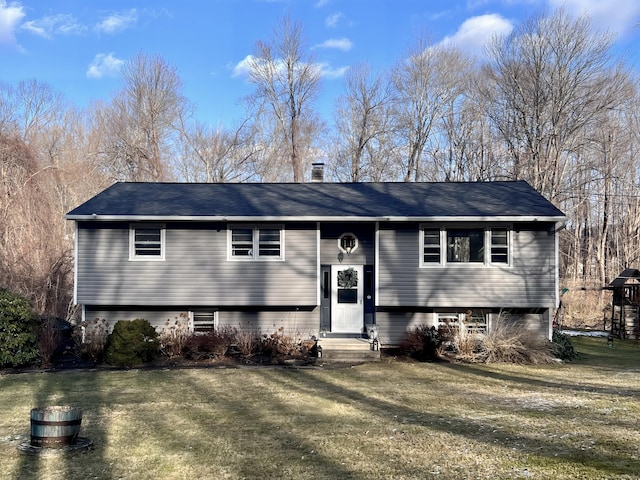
pixel 296 218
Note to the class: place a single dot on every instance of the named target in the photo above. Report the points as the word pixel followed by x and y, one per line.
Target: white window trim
pixel 132 243
pixel 192 323
pixel 487 247
pixel 443 243
pixel 509 263
pixel 256 243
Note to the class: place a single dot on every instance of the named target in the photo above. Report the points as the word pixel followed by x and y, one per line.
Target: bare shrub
pixel 247 342
pixel 210 345
pixel 279 345
pixel 174 335
pixel 423 343
pixel 508 342
pixel 90 338
pixel 467 344
pixel 50 338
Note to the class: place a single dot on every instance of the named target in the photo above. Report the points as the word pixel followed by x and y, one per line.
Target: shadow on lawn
pixel 553 450
pixel 536 382
pixel 86 392
pixel 289 433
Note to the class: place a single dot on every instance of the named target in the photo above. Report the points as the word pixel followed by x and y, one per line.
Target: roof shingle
pixel 318 200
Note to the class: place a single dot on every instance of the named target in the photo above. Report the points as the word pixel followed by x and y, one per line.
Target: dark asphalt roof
pixel 317 200
pixel 624 277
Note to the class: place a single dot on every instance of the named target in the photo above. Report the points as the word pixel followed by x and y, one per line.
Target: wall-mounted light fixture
pixel 347 243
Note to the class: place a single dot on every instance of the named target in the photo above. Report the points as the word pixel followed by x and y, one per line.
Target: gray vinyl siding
pixel 330 253
pixel 195 271
pixel 295 323
pixel 158 319
pixel 528 282
pixel 393 326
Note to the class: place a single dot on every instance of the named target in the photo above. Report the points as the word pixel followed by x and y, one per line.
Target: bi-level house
pixel 319 259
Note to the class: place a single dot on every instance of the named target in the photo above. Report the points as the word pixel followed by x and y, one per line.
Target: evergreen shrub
pixel 18 330
pixel 132 343
pixel 561 346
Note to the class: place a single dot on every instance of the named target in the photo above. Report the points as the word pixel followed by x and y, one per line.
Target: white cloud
pixel 332 20
pixel 614 15
pixel 46 27
pixel 104 65
pixel 476 32
pixel 343 44
pixel 10 16
pixel 242 68
pixel 117 22
pixel 326 71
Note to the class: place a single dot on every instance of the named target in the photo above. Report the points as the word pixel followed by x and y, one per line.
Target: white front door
pixel 347 311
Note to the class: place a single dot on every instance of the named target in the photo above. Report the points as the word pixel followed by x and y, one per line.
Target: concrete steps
pixel 347 350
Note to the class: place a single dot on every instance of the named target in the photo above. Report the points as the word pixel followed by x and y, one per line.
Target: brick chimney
pixel 317 172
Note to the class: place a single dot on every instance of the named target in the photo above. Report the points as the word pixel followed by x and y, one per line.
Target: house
pixel 320 259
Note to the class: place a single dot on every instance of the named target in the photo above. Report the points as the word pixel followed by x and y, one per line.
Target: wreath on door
pixel 347 278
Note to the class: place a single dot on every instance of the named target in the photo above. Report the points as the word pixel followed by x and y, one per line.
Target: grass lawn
pixel 387 420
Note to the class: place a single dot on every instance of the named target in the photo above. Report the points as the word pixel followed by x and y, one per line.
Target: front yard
pixel 376 421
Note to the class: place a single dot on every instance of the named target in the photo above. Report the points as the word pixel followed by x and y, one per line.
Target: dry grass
pixel 375 421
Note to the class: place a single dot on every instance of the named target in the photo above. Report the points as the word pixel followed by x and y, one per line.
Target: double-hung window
pixel 256 242
pixel 146 242
pixel 431 247
pixel 499 249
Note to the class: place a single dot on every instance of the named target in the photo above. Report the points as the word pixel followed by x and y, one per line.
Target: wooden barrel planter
pixel 55 427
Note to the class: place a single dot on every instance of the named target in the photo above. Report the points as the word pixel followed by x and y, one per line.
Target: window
pixel 431 247
pixel 500 246
pixel 146 242
pixel 204 321
pixel 256 243
pixel 455 324
pixel 465 246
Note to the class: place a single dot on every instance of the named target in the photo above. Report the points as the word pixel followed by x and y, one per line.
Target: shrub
pixel 279 344
pixel 53 334
pixel 174 336
pixel 90 338
pixel 18 330
pixel 132 342
pixel 423 343
pixel 561 346
pixel 511 343
pixel 212 344
pixel 247 342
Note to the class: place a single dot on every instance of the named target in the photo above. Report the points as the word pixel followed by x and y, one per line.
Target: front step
pixel 347 350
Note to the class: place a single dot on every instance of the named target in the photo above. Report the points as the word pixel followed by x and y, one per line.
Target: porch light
pixel 347 243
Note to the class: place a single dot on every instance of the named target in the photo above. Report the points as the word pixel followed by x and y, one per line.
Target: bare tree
pixel 139 128
pixel 362 119
pixel 548 81
pixel 287 84
pixel 220 155
pixel 426 80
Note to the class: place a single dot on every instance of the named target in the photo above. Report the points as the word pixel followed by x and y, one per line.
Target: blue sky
pixel 78 46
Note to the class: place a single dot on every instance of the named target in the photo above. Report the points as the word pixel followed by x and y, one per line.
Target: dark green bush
pixel 422 343
pixel 561 346
pixel 18 330
pixel 132 342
